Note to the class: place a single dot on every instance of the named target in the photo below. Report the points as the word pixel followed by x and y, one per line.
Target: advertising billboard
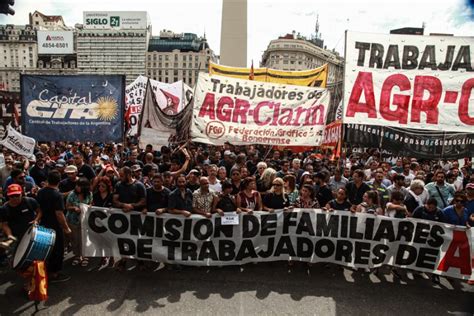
pixel 55 42
pixel 118 20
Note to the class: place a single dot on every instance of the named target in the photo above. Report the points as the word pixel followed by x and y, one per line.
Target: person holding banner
pixel 370 204
pixel 181 199
pixel 204 198
pixel 157 196
pixel 340 203
pixel 457 213
pixel 225 202
pixel 356 188
pixel 80 195
pixel 276 198
pixel 249 199
pixel 306 198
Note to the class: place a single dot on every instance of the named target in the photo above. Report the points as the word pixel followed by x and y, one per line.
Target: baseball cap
pixel 14 189
pixel 470 186
pixel 194 171
pixel 60 163
pixel 136 168
pixel 70 169
pixel 227 153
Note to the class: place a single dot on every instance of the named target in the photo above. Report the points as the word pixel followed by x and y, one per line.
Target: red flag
pixel 126 117
pixel 251 74
pixel 39 282
pixel 172 103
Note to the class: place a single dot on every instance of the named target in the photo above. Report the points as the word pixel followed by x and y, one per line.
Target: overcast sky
pixel 269 19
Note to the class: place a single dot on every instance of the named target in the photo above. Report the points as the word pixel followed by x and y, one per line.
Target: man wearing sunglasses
pixel 457 213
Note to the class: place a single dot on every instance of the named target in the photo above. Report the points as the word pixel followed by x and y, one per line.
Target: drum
pixel 36 244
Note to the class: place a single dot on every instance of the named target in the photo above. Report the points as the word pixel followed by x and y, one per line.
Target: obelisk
pixel 234 33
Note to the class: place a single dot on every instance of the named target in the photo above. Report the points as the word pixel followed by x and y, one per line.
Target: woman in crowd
pixel 396 208
pixel 340 203
pixel 225 203
pixel 80 195
pixel 276 198
pixel 265 182
pixel 103 195
pixel 370 204
pixel 290 188
pixel 417 195
pixel 249 199
pixel 306 198
pixel 457 213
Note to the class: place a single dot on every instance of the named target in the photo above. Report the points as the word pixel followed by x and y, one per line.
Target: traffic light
pixel 5 7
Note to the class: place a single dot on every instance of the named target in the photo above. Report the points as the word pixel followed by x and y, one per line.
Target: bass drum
pixel 36 244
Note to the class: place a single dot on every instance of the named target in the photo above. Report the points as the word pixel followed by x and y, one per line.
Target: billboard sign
pixel 118 20
pixel 55 42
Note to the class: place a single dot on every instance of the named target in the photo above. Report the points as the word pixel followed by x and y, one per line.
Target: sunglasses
pixel 276 184
pixel 458 201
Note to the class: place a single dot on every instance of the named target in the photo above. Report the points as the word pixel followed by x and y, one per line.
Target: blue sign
pixel 73 108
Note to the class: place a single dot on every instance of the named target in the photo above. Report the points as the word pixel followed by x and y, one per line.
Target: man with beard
pixel 203 198
pixel 157 196
pixel 68 184
pixel 440 190
pixel 193 180
pixel 40 170
pixel 83 170
pixel 181 199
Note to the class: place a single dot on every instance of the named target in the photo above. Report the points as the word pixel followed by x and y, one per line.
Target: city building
pixel 294 52
pixel 234 33
pixel 18 54
pixel 40 21
pixel 111 43
pixel 172 57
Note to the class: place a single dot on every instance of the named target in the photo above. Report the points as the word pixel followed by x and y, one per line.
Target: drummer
pixel 18 213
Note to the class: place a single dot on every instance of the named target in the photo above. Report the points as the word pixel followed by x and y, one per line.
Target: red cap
pixel 14 189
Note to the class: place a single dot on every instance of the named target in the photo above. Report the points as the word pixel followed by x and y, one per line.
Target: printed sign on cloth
pixel 422 82
pixel 73 108
pixel 171 98
pixel 332 135
pixel 250 112
pixel 411 142
pixel 18 143
pixel 354 240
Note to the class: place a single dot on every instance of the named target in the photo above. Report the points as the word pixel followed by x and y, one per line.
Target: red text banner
pixel 251 112
pixel 424 82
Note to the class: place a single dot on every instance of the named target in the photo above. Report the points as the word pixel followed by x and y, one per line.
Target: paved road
pixel 262 289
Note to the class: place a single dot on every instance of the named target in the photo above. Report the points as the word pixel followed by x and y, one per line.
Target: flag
pixel 128 124
pixel 39 283
pixel 252 73
pixel 172 103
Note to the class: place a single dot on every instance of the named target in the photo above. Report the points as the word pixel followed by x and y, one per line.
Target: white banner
pixel 55 42
pixel 251 112
pixel 170 97
pixel 423 82
pixel 18 143
pixel 309 235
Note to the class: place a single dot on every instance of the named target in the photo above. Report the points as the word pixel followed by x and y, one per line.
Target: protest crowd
pixel 203 180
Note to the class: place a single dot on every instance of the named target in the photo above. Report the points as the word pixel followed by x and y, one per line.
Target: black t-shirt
pixel 192 187
pixel 50 201
pixel 275 201
pixel 97 200
pixel 157 199
pixel 20 216
pixel 354 194
pixel 39 175
pixel 130 193
pixel 86 171
pixel 324 195
pixel 345 206
pixel 67 185
pixel 226 204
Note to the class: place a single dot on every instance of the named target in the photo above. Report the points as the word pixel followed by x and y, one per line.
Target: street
pixel 254 289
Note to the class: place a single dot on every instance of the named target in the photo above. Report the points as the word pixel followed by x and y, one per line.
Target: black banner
pixel 411 142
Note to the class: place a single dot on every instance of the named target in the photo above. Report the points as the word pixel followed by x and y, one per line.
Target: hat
pixel 14 189
pixel 227 153
pixel 136 168
pixel 104 157
pixel 61 163
pixel 470 186
pixel 70 169
pixel 194 171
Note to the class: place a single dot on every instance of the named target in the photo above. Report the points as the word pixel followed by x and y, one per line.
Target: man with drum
pixel 17 215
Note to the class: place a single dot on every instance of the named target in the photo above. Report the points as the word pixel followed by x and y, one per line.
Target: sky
pixel 267 20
